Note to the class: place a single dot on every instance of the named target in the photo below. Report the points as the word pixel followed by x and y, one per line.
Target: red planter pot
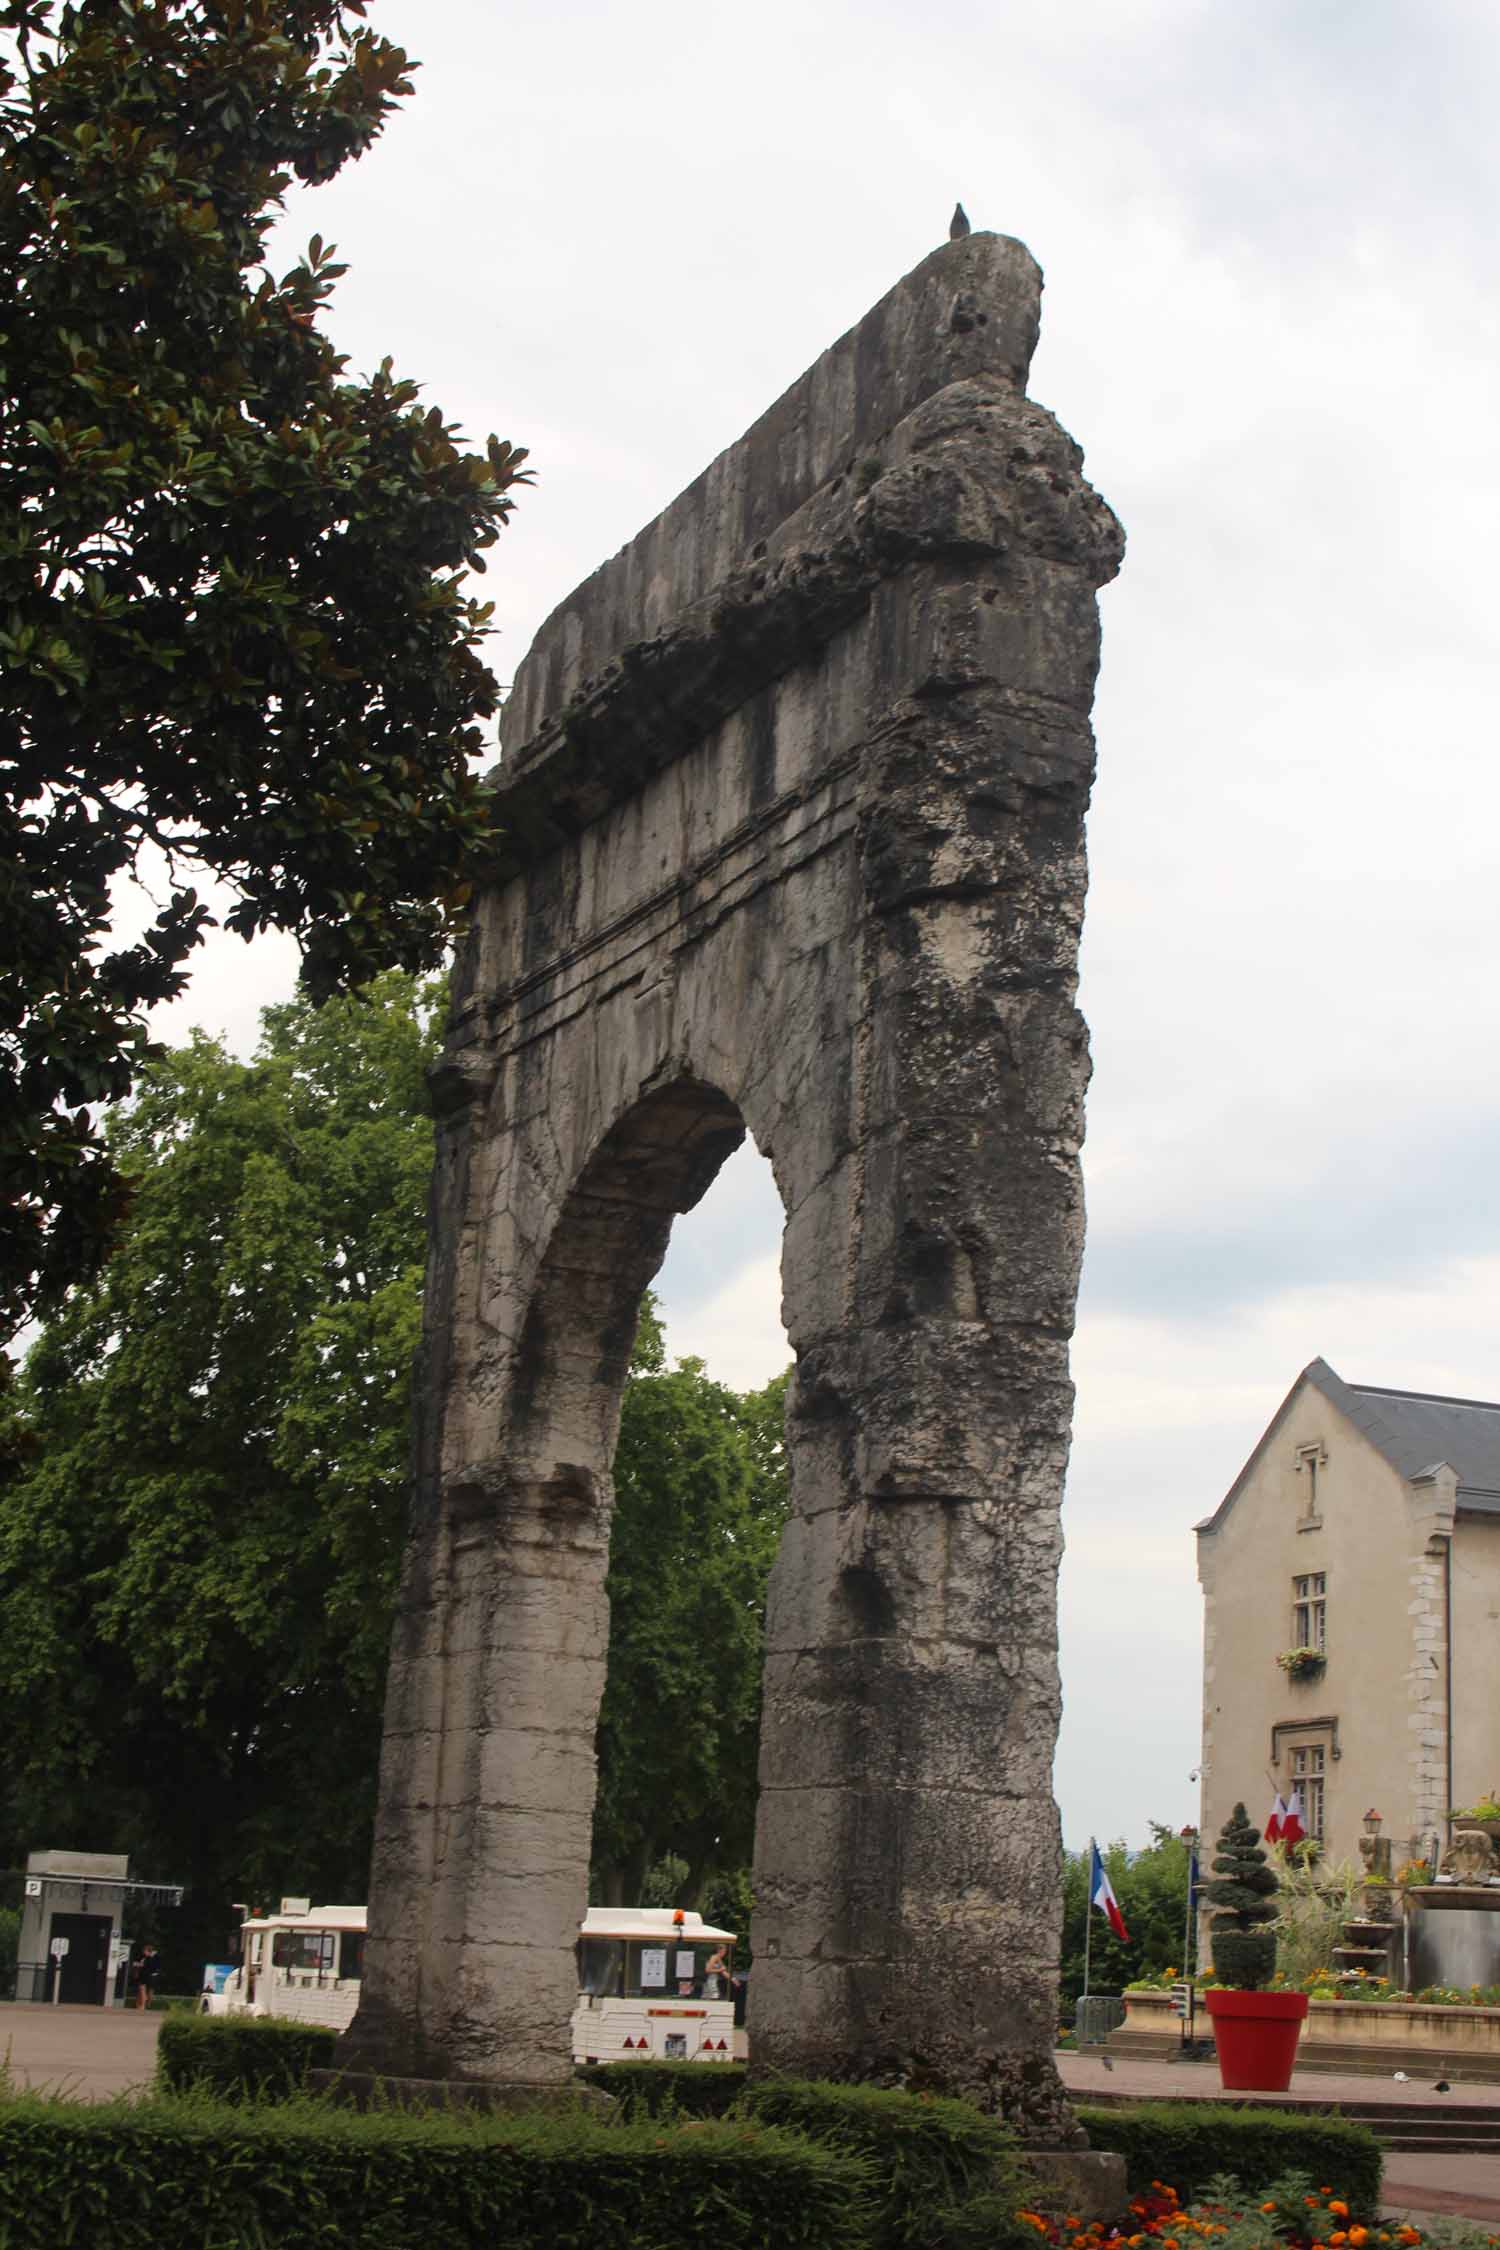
pixel 1255 2034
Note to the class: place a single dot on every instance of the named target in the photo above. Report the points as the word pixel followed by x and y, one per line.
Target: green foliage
pixel 178 2174
pixel 666 2089
pixel 945 2176
pixel 198 1552
pixel 942 2175
pixel 1286 2195
pixel 729 1903
pixel 200 1534
pixel 1151 1887
pixel 234 639
pixel 1287 2209
pixel 701 1495
pixel 241 2058
pixel 1188 2143
pixel 1314 1900
pixel 1244 1948
pixel 1484 1808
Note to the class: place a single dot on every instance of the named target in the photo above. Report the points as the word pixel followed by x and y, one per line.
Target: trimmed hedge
pixel 241 2058
pixel 944 2174
pixel 183 2173
pixel 1186 2143
pixel 650 2089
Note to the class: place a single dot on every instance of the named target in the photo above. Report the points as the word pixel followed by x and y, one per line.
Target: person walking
pixel 144 1973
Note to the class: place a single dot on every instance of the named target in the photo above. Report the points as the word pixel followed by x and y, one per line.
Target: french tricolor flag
pixel 1101 1894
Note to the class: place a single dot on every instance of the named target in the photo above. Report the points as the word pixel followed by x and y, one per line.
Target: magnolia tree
pixel 234 636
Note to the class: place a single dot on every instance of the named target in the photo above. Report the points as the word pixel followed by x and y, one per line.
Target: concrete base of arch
pixel 795 791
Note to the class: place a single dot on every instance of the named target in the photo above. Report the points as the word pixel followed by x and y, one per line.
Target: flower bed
pixel 1291 2215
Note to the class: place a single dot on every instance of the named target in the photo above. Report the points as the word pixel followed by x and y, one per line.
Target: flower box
pixel 1345 2034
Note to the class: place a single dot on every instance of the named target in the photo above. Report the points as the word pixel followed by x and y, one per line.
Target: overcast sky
pixel 1268 234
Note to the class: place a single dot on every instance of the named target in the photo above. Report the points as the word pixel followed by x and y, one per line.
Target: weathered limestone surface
pixel 795 789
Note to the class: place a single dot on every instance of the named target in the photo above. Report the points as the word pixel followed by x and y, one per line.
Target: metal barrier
pixel 1096 2017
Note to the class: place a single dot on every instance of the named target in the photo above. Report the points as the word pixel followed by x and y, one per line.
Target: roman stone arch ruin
pixel 794 791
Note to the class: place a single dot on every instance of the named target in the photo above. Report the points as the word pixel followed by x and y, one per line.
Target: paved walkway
pixel 86 2053
pixel 1448 2182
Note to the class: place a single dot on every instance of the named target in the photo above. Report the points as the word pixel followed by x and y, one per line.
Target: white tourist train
pixel 655 1981
pixel 303 1961
pixel 652 1980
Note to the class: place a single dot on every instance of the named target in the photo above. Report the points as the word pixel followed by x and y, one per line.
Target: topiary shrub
pixel 1244 1948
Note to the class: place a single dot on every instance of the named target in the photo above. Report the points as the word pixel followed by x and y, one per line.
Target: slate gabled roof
pixel 1413 1430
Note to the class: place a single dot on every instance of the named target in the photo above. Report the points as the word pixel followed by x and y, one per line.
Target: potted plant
pixel 1484 1816
pixel 1255 2031
pixel 1302 1663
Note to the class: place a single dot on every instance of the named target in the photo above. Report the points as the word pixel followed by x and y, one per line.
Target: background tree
pixel 701 1494
pixel 201 1524
pixel 233 635
pixel 198 1548
pixel 1151 1887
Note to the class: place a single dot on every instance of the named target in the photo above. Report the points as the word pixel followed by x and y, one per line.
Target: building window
pixel 1307 1777
pixel 1310 1611
pixel 1311 1461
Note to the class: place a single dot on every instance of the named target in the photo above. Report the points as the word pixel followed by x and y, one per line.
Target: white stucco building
pixel 1365 1526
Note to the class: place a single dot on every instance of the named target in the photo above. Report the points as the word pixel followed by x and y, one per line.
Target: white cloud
pixel 737 1331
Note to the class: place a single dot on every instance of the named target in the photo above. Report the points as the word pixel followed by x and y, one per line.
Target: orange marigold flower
pixel 1341 2208
pixel 1340 2236
pixel 1268 2206
pixel 1359 2236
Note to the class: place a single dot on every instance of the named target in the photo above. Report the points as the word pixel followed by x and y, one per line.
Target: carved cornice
pixel 1328 1726
pixel 979 473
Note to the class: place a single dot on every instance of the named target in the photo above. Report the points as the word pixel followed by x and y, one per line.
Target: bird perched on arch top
pixel 958 225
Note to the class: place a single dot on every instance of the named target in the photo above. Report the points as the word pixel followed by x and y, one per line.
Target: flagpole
pixel 1088 1915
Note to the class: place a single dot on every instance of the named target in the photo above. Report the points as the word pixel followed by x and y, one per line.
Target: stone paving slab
pixel 86 2053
